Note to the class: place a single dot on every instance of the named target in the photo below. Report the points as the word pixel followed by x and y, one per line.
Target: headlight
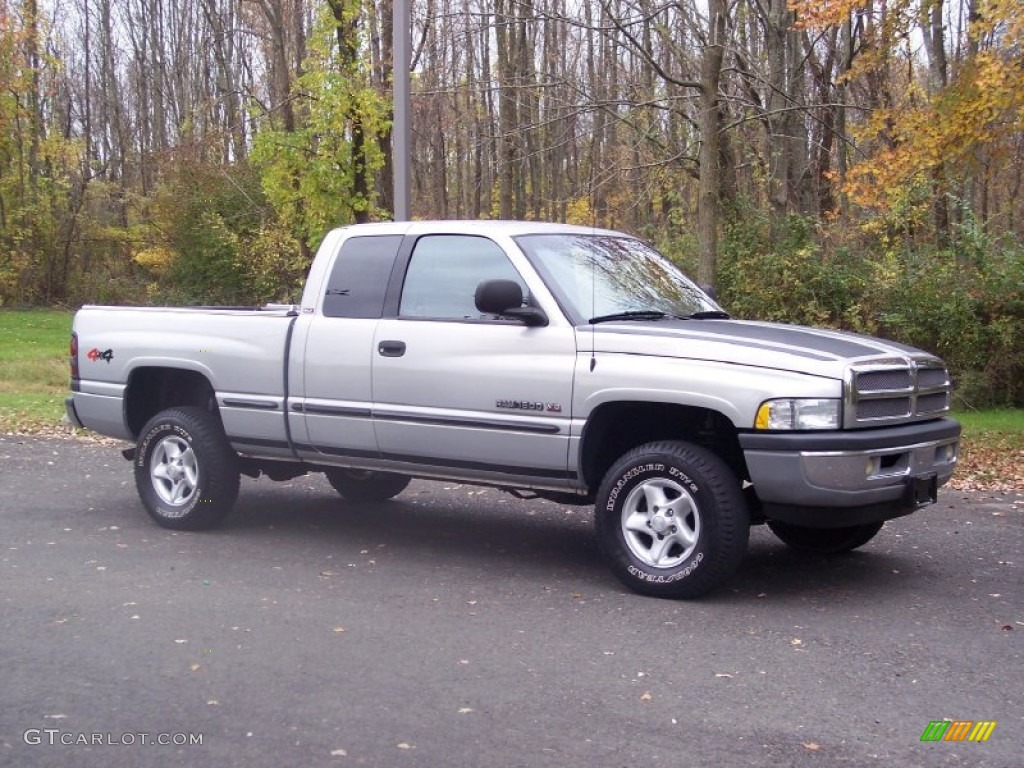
pixel 802 413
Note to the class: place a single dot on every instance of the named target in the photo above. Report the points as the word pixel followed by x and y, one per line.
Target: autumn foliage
pixel 854 163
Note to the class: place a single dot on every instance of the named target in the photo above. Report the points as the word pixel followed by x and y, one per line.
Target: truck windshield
pixel 605 277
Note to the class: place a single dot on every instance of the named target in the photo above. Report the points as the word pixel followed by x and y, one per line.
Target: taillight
pixel 73 356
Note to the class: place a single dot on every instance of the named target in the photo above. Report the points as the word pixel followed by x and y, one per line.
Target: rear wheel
pixel 366 484
pixel 186 472
pixel 671 520
pixel 825 541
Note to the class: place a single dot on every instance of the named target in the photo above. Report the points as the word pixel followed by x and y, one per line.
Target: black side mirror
pixel 505 297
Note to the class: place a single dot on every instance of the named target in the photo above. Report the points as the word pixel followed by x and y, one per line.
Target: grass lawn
pixel 33 368
pixel 34 383
pixel 1008 422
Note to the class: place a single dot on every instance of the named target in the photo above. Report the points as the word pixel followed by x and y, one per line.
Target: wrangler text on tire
pixel 671 520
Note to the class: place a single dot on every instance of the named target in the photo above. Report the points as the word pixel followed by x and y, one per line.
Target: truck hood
pixel 765 345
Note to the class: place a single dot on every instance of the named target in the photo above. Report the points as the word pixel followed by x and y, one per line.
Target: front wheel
pixel 825 541
pixel 185 470
pixel 671 520
pixel 364 485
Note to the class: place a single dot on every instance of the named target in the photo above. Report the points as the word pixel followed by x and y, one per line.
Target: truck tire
pixel 671 520
pixel 366 485
pixel 825 541
pixel 185 470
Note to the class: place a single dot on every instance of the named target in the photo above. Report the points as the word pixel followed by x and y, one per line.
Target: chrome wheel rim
pixel 660 523
pixel 174 472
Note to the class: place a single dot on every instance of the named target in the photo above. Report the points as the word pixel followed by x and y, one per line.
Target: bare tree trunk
pixel 507 110
pixel 709 184
pixel 846 61
pixel 280 63
pixel 938 79
pixel 778 144
pixel 382 26
pixel 799 178
pixel 346 33
pixel 35 116
pixel 113 107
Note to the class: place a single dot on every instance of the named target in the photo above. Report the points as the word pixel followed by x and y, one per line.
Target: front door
pixel 455 388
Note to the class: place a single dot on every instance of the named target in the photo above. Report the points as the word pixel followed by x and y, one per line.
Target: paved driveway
pixel 457 626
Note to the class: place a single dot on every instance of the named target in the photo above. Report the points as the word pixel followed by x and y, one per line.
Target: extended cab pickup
pixel 572 363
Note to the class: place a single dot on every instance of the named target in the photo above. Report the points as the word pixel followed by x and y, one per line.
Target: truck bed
pixel 240 351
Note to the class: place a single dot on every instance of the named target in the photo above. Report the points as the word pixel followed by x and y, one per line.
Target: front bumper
pixel 835 479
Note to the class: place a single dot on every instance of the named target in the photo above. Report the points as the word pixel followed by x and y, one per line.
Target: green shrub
pixel 965 303
pixel 780 272
pixel 274 266
pixel 200 220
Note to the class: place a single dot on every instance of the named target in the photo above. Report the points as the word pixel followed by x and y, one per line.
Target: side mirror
pixel 505 297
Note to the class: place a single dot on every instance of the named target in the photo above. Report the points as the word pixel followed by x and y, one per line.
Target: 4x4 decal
pixel 106 355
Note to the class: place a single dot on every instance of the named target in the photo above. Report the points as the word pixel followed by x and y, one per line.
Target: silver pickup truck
pixel 570 363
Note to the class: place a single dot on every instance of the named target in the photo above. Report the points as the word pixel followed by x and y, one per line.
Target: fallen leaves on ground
pixel 15 428
pixel 990 461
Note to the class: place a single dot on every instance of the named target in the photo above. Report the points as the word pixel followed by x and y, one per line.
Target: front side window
pixel 603 276
pixel 444 272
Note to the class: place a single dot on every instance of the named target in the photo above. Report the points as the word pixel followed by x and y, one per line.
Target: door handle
pixel 391 348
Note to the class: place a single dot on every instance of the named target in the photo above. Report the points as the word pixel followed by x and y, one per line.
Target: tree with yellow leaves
pixel 952 118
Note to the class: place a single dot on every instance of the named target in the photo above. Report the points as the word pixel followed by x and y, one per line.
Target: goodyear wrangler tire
pixel 671 520
pixel 185 470
pixel 365 485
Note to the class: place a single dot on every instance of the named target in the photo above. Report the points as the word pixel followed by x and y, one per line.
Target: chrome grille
pixel 879 380
pixel 934 403
pixel 932 377
pixel 893 391
pixel 893 408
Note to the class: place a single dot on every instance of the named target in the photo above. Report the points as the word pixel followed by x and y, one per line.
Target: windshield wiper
pixel 634 315
pixel 711 314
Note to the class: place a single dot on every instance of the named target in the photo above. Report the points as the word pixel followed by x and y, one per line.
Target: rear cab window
pixel 359 278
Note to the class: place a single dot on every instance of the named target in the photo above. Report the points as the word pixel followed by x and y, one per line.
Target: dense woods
pixel 857 163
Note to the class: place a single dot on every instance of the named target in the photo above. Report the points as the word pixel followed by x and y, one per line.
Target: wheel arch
pixel 616 427
pixel 152 389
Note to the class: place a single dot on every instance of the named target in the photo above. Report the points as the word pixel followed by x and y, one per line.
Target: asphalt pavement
pixel 458 626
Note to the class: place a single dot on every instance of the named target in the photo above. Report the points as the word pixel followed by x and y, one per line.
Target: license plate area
pixel 921 491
